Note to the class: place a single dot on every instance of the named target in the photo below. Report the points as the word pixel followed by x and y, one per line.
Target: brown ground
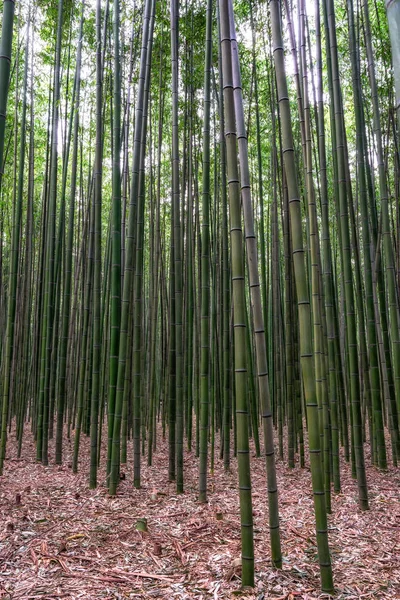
pixel 65 541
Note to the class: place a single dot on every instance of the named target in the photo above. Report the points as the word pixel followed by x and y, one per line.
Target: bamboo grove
pixel 200 240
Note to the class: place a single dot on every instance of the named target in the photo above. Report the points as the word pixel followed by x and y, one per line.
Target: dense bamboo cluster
pixel 200 239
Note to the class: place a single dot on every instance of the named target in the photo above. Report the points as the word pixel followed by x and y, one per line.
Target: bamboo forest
pixel 199 299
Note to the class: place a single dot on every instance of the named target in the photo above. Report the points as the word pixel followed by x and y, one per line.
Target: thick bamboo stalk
pixel 303 302
pixel 256 303
pixel 239 306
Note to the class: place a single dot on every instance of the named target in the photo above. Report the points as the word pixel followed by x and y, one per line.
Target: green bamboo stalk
pixel 5 58
pixel 29 264
pixel 305 338
pixel 205 265
pixel 174 8
pixel 5 67
pixel 189 276
pixel 66 308
pixel 129 258
pixel 139 337
pixel 351 326
pixel 316 272
pixel 328 281
pixel 239 306
pixel 49 284
pixel 95 395
pixel 116 232
pixel 227 402
pixel 377 423
pixel 393 15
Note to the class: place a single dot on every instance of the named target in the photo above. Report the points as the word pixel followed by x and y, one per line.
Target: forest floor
pixel 58 539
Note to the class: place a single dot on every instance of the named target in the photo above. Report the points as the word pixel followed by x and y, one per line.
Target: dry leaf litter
pixel 58 539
